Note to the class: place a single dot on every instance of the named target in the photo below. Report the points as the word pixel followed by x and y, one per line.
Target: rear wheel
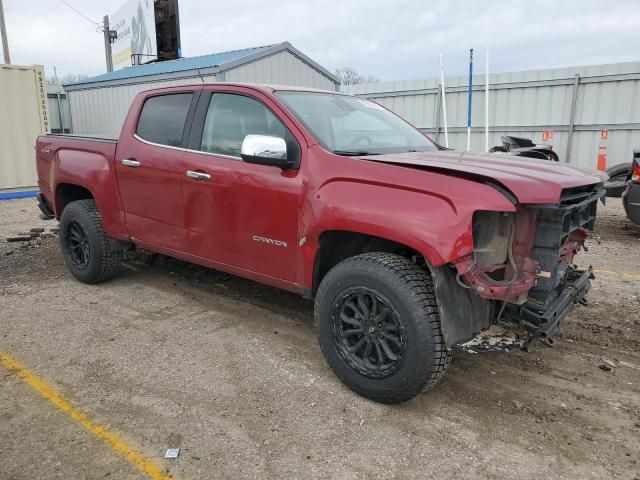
pixel 378 327
pixel 88 251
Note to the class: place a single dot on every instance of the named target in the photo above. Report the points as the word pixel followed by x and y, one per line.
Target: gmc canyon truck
pixel 407 251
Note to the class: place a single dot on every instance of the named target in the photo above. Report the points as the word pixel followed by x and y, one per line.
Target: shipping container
pixel 23 116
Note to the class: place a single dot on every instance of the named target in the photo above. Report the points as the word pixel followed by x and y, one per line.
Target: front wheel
pixel 378 327
pixel 88 251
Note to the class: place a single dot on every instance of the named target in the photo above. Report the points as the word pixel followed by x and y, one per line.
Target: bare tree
pixel 67 78
pixel 349 76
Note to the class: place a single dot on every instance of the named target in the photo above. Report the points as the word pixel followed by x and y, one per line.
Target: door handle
pixel 130 163
pixel 198 175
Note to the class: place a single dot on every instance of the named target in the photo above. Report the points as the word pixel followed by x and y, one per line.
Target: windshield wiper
pixel 354 153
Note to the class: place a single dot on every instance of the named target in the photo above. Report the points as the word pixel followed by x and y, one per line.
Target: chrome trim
pixel 198 175
pixel 213 154
pixel 264 146
pixel 181 149
pixel 130 163
pixel 140 139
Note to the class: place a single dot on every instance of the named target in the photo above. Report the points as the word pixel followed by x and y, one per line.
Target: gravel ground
pixel 173 355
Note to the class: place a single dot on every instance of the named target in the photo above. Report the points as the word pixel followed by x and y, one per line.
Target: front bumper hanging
pixel 541 321
pixel 529 321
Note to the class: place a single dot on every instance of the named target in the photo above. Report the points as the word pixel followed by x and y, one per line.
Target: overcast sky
pixel 389 39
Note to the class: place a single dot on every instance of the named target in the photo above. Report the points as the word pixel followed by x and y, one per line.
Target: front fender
pixel 437 225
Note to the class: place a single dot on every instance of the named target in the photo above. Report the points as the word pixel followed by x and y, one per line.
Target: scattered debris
pixel 518 404
pixel 21 238
pixel 495 338
pixel 611 363
pixel 172 453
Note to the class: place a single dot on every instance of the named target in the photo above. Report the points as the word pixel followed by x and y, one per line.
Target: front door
pixel 236 213
pixel 149 170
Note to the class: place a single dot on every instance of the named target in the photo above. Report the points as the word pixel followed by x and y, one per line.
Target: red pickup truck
pixel 408 251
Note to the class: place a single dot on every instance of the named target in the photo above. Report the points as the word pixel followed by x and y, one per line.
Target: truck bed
pixel 85 160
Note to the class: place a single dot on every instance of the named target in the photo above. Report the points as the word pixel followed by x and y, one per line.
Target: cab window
pixel 230 118
pixel 163 118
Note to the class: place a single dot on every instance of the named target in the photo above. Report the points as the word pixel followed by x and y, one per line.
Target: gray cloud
pixel 392 40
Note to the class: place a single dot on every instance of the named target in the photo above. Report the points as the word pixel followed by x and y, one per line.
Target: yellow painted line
pixel 112 439
pixel 620 274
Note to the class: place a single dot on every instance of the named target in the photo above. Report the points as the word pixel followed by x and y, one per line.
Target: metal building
pixel 100 104
pixel 59 111
pixel 575 104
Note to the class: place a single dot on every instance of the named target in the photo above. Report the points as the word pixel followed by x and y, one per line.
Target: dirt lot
pixel 172 355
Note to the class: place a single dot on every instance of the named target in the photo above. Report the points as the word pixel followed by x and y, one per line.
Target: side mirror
pixel 265 150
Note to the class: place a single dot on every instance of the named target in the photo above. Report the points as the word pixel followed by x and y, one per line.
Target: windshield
pixel 354 126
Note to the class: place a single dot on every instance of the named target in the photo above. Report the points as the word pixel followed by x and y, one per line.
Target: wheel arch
pixel 66 193
pixel 334 246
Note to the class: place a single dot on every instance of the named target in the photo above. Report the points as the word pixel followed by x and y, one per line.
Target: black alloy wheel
pixel 77 245
pixel 369 333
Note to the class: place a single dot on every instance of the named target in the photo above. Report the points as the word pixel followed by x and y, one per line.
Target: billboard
pixel 136 27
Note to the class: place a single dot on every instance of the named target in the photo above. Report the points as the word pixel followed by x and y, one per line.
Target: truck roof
pixel 267 88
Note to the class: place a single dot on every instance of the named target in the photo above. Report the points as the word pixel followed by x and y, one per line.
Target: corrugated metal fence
pixel 574 103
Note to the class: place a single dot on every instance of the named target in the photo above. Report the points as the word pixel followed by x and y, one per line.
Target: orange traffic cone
pixel 602 150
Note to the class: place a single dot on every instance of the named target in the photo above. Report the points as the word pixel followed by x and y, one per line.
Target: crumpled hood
pixel 530 180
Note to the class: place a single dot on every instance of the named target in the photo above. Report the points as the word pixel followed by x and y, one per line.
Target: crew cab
pixel 407 251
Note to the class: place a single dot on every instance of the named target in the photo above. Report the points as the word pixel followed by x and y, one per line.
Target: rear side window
pixel 163 118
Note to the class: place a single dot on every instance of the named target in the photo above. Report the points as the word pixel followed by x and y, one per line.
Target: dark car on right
pixel 631 194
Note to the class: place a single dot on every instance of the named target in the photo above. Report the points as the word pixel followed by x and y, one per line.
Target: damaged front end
pixel 521 272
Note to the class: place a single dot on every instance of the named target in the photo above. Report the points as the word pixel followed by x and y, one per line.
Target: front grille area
pixel 576 195
pixel 557 226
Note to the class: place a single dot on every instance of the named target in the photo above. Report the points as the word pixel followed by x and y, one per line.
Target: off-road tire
pixel 105 258
pixel 409 289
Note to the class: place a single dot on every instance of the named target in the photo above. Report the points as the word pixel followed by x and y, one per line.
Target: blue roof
pixel 170 66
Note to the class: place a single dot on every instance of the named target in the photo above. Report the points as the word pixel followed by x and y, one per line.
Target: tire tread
pixel 420 285
pixel 110 259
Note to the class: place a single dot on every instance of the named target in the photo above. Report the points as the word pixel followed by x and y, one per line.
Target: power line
pixel 80 13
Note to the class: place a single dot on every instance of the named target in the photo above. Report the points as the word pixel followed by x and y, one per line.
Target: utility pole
pixel 3 34
pixel 486 100
pixel 470 94
pixel 107 42
pixel 444 103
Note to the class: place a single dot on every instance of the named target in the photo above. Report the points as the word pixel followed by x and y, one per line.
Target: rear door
pixel 149 169
pixel 240 214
